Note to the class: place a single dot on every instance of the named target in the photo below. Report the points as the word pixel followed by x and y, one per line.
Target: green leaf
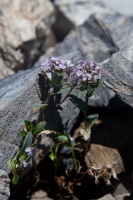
pixel 56 79
pixel 91 119
pixel 28 125
pixel 27 143
pixel 15 179
pixel 22 134
pixel 39 127
pixel 82 93
pixel 36 107
pixel 61 88
pixel 62 139
pixel 51 156
pixel 12 164
pixel 78 102
pixel 22 159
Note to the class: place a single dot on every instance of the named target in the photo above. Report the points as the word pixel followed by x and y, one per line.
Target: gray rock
pixel 98 38
pixel 4 71
pixel 107 197
pixel 123 7
pixel 118 73
pixel 24 27
pixel 125 196
pixel 77 12
pixel 4 185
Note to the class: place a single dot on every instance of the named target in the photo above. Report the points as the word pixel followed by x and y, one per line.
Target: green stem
pixel 69 92
pixel 74 158
pixel 55 158
pixel 86 107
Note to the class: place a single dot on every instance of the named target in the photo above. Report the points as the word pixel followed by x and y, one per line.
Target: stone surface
pixel 125 196
pixel 40 195
pixel 124 186
pixel 123 7
pixel 4 71
pixel 107 197
pixel 4 185
pixel 118 73
pixel 76 11
pixel 24 27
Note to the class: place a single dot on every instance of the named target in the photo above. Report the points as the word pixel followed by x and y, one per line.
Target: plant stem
pixel 69 92
pixel 55 158
pixel 74 158
pixel 85 112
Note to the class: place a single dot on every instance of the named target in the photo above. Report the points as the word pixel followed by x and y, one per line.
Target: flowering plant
pixel 85 77
pixel 62 76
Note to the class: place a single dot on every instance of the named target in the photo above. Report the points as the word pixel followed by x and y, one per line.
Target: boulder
pixel 24 28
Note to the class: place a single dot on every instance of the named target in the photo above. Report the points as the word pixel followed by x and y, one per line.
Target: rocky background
pixel 77 29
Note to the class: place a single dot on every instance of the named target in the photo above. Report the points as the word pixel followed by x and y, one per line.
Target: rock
pixel 40 195
pixel 124 196
pixel 24 27
pixel 100 156
pixel 4 71
pixel 107 197
pixel 118 73
pixel 98 38
pixel 122 7
pixel 4 185
pixel 124 186
pixel 77 12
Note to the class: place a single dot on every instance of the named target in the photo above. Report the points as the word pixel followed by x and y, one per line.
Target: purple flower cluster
pixel 56 65
pixel 87 71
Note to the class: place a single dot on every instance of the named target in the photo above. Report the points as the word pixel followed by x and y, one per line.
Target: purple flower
pixel 87 71
pixel 46 62
pixel 57 64
pixel 28 150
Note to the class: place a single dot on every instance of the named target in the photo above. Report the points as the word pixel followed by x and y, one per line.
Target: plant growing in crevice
pixel 63 76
